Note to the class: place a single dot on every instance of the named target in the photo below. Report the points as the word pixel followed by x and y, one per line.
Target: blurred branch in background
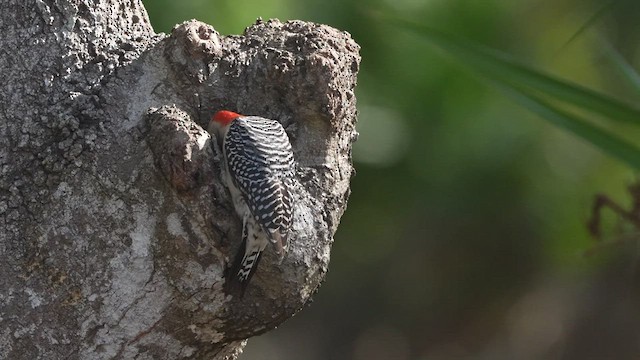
pixel 465 233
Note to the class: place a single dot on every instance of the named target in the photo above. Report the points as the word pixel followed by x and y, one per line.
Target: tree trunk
pixel 117 229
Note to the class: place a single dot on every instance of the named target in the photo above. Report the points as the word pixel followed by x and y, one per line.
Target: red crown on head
pixel 224 117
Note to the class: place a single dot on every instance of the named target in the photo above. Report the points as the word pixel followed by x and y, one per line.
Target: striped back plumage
pixel 260 160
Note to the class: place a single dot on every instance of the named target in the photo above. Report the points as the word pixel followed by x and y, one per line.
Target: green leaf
pixel 499 66
pixel 622 66
pixel 604 8
pixel 618 148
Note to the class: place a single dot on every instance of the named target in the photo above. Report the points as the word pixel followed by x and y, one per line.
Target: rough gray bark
pixel 116 228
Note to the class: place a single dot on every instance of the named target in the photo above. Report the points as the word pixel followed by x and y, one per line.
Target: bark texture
pixel 116 229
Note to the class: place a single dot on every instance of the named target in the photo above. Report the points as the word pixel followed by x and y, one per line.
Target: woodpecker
pixel 259 169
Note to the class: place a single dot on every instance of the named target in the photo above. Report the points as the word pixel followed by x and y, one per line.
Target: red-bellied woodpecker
pixel 259 170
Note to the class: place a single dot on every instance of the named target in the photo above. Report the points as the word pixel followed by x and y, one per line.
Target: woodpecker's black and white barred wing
pixel 261 163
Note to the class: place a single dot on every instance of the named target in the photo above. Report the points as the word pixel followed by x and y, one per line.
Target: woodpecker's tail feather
pixel 280 243
pixel 244 266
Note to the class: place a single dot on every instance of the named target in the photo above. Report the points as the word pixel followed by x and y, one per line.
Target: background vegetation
pixel 465 236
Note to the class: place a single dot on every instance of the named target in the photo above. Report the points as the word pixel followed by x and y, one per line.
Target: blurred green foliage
pixel 465 232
